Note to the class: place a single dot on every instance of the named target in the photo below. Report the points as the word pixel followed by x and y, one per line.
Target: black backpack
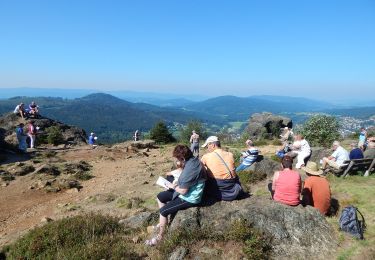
pixel 350 223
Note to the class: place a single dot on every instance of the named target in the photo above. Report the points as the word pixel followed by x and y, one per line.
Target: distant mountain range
pixel 115 119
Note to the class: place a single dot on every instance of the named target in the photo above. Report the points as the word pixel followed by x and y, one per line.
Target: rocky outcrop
pixel 266 166
pixel 295 232
pixel 70 134
pixel 266 125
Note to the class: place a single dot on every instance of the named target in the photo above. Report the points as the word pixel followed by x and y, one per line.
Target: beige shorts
pixel 333 164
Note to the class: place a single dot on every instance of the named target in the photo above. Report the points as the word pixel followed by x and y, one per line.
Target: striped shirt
pixel 250 156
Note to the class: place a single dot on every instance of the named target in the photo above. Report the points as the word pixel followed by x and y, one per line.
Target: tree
pixel 54 135
pixel 186 131
pixel 160 133
pixel 321 130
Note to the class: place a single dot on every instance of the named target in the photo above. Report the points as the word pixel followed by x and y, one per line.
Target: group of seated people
pixel 31 111
pixel 288 189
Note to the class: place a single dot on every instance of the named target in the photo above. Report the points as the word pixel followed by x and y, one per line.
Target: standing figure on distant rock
pixel 338 157
pixel 21 137
pixel 362 138
pixel 286 184
pixel 302 148
pixel 194 141
pixel 20 110
pixel 186 193
pixel 34 109
pixel 248 157
pixel 287 135
pixel 136 135
pixel 92 140
pixel 356 152
pixel 316 191
pixel 223 182
pixel 31 132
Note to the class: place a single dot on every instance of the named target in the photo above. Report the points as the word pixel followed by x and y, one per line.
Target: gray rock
pixel 296 232
pixel 143 144
pixel 265 165
pixel 141 220
pixel 179 253
pixel 266 125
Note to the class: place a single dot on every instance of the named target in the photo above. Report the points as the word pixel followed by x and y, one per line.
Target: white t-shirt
pixel 341 155
pixel 17 109
pixel 302 146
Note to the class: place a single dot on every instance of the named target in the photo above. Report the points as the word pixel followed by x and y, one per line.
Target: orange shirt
pixel 216 168
pixel 318 193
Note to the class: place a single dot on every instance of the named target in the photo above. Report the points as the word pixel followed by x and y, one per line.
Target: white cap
pixel 92 134
pixel 210 139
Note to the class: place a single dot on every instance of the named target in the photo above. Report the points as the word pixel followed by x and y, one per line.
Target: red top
pixel 316 192
pixel 288 187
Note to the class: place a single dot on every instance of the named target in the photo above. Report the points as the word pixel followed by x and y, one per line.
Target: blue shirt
pixel 91 139
pixel 356 154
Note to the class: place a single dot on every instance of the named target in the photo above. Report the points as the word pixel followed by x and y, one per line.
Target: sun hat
pixel 210 139
pixel 312 168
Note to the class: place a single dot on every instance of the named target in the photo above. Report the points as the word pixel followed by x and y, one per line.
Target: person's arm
pixel 177 188
pixel 275 177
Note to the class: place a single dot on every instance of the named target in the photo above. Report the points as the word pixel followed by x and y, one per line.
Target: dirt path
pixel 118 174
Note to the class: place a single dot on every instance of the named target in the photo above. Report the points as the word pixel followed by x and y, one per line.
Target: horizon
pixel 320 50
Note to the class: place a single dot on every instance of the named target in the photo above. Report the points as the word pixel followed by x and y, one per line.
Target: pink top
pixel 288 187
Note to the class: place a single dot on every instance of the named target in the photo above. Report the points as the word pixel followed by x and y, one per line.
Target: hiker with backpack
pixel 31 132
pixel 316 191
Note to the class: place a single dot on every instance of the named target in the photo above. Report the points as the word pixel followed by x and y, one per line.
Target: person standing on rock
pixel 316 191
pixel 92 140
pixel 223 182
pixel 186 193
pixel 31 132
pixel 136 135
pixel 286 184
pixel 194 141
pixel 248 157
pixel 362 138
pixel 21 137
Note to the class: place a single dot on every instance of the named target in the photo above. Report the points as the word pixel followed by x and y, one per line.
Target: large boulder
pixel 71 134
pixel 295 232
pixel 267 125
pixel 266 166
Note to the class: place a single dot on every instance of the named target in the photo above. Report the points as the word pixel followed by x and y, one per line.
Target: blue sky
pixel 297 48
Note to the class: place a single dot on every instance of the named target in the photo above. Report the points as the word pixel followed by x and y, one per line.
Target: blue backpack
pixel 350 223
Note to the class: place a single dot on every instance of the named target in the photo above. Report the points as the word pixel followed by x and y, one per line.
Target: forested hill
pixel 239 108
pixel 113 119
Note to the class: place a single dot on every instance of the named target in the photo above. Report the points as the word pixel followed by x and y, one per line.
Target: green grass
pixel 357 191
pixel 82 237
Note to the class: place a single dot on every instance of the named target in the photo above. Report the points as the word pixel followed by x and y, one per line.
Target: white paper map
pixel 163 182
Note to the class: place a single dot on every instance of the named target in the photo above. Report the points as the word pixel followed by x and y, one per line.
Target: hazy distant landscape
pixel 115 119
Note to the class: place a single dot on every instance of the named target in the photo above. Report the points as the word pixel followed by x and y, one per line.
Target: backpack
pixel 350 223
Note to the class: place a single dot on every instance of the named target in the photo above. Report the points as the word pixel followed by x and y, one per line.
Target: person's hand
pixel 172 186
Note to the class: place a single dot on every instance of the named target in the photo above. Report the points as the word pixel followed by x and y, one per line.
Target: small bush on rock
pixel 54 135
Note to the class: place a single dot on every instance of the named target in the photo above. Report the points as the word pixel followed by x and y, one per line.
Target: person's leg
pixel 241 167
pixel 333 164
pixel 301 160
pixel 325 162
pixel 164 197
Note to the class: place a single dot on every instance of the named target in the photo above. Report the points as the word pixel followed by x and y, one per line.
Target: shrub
pixel 54 135
pixel 321 130
pixel 248 177
pixel 260 142
pixel 82 237
pixel 161 134
pixel 185 132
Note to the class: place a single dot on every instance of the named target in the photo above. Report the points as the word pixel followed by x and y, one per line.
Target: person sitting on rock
pixel 356 152
pixel 223 182
pixel 286 184
pixel 186 193
pixel 248 157
pixel 338 157
pixel 34 109
pixel 302 148
pixel 287 135
pixel 20 110
pixel 316 190
pixel 21 137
